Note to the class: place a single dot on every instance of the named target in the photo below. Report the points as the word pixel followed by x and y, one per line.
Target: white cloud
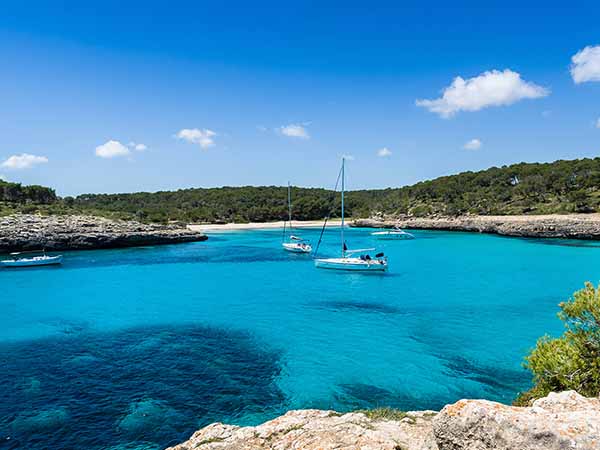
pixel 491 88
pixel 112 149
pixel 3 177
pixel 473 144
pixel 295 130
pixel 204 138
pixel 136 146
pixel 140 147
pixel 384 152
pixel 23 161
pixel 586 65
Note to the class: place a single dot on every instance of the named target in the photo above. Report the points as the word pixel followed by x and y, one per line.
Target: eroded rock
pixel 573 226
pixel 314 429
pixel 33 232
pixel 557 422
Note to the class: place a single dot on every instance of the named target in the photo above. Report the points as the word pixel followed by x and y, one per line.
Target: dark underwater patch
pixel 143 387
pixel 353 396
pixel 496 378
pixel 359 306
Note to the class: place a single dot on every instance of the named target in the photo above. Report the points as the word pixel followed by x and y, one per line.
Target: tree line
pixel 524 188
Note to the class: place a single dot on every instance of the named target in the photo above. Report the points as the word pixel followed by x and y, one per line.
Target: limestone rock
pixel 573 226
pixel 324 430
pixel 557 422
pixel 34 232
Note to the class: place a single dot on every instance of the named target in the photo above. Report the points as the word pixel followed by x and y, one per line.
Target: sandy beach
pixel 261 225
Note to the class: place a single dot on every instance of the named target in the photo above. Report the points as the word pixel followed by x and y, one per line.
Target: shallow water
pixel 137 348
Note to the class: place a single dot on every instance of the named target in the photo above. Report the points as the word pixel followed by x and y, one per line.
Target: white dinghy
pixel 348 260
pixel 39 260
pixel 394 234
pixel 294 244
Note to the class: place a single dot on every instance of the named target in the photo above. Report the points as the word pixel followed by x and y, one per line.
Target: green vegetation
pixel 571 361
pixel 525 188
pixel 383 413
pixel 16 193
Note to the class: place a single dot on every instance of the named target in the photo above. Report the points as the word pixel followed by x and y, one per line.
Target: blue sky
pixel 234 93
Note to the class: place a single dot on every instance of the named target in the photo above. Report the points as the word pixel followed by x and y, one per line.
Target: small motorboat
pixel 32 261
pixel 395 233
pixel 294 244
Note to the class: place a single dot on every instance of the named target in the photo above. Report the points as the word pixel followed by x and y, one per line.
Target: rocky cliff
pixel 574 226
pixel 33 232
pixel 560 421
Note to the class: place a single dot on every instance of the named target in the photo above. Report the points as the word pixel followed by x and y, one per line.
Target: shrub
pixel 571 361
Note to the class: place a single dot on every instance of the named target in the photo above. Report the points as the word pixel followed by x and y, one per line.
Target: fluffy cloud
pixel 491 88
pixel 473 144
pixel 138 147
pixel 384 152
pixel 295 130
pixel 23 161
pixel 204 138
pixel 586 65
pixel 112 149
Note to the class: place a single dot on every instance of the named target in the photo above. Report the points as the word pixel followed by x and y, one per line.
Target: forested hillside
pixel 525 188
pixel 16 193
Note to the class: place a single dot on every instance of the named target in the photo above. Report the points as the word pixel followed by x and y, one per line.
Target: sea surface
pixel 138 348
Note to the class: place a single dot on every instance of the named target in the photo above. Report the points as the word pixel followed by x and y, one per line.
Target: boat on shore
pixel 395 234
pixel 348 261
pixel 294 244
pixel 31 261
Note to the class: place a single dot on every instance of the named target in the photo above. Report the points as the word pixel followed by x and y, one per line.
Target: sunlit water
pixel 137 348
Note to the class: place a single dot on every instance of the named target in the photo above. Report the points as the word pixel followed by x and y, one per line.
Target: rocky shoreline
pixel 570 226
pixel 33 232
pixel 557 422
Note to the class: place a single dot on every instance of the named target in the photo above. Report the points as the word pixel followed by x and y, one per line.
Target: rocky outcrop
pixel 574 226
pixel 33 232
pixel 560 421
pixel 313 429
pixel 557 422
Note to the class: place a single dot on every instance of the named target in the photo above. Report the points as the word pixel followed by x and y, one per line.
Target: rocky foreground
pixel 574 226
pixel 557 422
pixel 33 232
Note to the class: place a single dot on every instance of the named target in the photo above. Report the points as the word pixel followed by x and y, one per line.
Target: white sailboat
pixel 348 260
pixel 39 260
pixel 395 233
pixel 294 244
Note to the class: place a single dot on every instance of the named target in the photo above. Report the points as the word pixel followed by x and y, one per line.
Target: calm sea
pixel 137 348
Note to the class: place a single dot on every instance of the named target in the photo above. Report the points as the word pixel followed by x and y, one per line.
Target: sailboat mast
pixel 343 176
pixel 290 204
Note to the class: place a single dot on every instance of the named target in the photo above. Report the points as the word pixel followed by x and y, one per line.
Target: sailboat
pixel 348 259
pixel 294 244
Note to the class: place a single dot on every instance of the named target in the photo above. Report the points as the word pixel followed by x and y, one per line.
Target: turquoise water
pixel 137 348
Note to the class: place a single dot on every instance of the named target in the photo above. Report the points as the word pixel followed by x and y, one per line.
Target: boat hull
pixel 296 248
pixel 352 264
pixel 32 262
